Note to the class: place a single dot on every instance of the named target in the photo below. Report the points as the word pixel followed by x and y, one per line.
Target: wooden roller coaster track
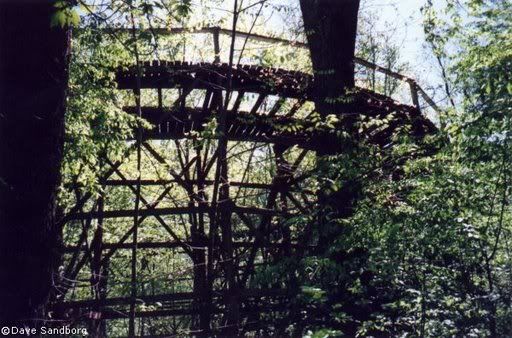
pixel 267 117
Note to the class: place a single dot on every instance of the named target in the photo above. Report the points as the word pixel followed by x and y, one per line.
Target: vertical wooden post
pixel 414 93
pixel 96 271
pixel 133 282
pixel 200 243
pixel 199 238
pixel 212 240
pixel 160 99
pixel 133 293
pixel 216 44
pixel 225 213
pixel 221 220
pixel 222 203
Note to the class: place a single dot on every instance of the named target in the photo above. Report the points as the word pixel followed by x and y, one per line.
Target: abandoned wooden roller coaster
pixel 227 225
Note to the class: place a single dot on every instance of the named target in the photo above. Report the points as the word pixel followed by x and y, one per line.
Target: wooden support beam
pixel 173 297
pixel 156 182
pixel 238 101
pixel 167 245
pixel 151 206
pixel 259 101
pixel 277 106
pixel 296 106
pixel 262 229
pixel 107 214
pixel 109 314
pixel 130 231
pixel 303 210
pixel 81 202
pixel 216 43
pixel 414 94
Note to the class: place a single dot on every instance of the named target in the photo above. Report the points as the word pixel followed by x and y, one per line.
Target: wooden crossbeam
pixel 253 79
pixel 211 76
pixel 107 214
pixel 181 296
pixel 241 126
pixel 151 206
pixel 296 106
pixel 259 101
pixel 108 314
pixel 81 202
pixel 277 106
pixel 248 127
pixel 168 245
pixel 162 182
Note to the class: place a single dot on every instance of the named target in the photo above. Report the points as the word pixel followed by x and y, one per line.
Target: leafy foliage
pixel 426 250
pixel 412 240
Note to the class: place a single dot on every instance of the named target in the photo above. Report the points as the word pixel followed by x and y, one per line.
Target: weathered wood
pixel 116 314
pixel 248 185
pixel 107 214
pixel 222 263
pixel 277 40
pixel 172 297
pixel 247 127
pixel 136 189
pixel 261 232
pixel 414 94
pixel 168 245
pixel 216 43
pixel 260 80
pixel 81 202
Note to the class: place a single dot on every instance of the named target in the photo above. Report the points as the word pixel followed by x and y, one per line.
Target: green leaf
pixel 58 19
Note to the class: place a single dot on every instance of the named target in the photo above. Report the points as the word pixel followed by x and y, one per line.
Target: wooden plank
pixel 127 182
pixel 108 214
pixel 167 245
pixel 257 104
pixel 277 106
pixel 414 94
pixel 179 296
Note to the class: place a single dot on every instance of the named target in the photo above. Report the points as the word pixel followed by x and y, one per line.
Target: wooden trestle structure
pixel 225 239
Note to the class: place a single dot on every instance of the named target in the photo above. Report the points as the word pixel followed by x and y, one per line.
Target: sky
pixel 401 16
pixel 406 18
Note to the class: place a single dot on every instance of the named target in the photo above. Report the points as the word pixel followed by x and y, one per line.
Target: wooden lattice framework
pixel 225 225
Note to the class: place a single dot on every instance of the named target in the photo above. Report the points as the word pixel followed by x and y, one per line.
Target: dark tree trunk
pixel 331 27
pixel 33 82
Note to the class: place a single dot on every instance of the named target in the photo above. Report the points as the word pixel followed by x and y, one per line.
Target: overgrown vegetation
pixel 427 251
pixel 425 248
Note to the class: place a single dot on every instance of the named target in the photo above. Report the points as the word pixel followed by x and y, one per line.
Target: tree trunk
pixel 331 27
pixel 33 82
